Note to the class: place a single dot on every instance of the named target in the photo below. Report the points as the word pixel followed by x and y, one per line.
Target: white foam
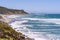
pixel 40 39
pixel 35 35
pixel 51 20
pixel 17 23
pixel 11 16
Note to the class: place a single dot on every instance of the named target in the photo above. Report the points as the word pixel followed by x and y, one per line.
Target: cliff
pixel 7 11
pixel 7 33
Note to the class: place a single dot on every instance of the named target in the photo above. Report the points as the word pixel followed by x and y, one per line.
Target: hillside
pixel 7 11
pixel 7 33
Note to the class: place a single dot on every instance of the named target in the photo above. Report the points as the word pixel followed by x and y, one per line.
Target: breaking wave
pixel 36 27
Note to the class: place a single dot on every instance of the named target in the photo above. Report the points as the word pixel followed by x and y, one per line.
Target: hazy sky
pixel 33 5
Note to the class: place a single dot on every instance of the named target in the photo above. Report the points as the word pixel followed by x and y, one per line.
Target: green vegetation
pixel 7 33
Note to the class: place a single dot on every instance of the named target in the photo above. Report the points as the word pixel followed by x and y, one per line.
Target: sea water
pixel 38 27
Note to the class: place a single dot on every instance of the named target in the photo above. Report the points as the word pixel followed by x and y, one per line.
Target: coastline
pixel 9 12
pixel 5 21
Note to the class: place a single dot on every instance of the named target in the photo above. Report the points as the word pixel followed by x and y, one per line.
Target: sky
pixel 52 6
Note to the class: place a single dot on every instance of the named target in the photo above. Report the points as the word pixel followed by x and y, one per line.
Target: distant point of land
pixel 7 11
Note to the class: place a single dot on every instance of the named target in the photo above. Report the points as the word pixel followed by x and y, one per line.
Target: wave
pixel 37 28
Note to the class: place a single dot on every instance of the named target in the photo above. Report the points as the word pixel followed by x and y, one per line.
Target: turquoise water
pixel 38 27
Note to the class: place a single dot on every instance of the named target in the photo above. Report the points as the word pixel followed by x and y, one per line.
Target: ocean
pixel 37 27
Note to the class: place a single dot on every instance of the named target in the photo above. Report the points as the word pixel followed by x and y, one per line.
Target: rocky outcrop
pixel 7 11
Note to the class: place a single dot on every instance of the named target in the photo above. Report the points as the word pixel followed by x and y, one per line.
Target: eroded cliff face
pixel 7 11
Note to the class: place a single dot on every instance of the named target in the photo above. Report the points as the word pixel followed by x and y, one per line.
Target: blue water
pixel 43 16
pixel 39 27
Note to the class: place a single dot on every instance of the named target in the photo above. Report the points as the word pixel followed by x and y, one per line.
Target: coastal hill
pixel 7 33
pixel 7 11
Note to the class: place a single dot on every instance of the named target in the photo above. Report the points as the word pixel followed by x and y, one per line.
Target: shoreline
pixel 8 20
